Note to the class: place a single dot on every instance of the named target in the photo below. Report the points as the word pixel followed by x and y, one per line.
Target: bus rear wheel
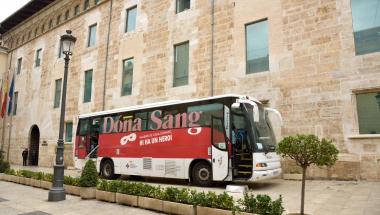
pixel 107 170
pixel 202 174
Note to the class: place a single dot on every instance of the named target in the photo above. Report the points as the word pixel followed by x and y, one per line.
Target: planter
pixel 35 182
pixel 149 203
pixel 14 179
pixel 88 192
pixel 105 196
pixel 5 177
pixel 208 211
pixel 46 185
pixel 73 190
pixel 178 208
pixel 242 213
pixel 126 199
pixel 291 176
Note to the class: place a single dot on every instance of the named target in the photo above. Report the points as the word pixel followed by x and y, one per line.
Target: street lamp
pixel 57 193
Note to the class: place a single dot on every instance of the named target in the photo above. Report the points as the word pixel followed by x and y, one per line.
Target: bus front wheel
pixel 202 174
pixel 108 170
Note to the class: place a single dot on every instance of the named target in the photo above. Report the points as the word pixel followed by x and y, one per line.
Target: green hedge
pixel 260 204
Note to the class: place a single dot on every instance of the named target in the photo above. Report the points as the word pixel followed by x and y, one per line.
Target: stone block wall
pixel 312 80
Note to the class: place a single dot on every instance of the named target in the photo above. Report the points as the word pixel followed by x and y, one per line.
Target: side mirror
pixel 235 106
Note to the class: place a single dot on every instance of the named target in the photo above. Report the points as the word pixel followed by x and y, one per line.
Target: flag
pixel 4 106
pixel 1 90
pixel 11 96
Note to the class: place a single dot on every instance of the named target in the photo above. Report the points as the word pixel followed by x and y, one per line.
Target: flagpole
pixel 11 113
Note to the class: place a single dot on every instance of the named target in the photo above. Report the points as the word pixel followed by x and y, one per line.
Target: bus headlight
pixel 259 165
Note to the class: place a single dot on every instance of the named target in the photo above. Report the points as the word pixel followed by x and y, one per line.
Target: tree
pixel 307 150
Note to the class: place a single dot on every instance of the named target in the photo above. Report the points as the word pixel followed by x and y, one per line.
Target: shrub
pixel 89 177
pixel 68 180
pixel 128 188
pixel 26 173
pixel 10 172
pixel 173 194
pixel 4 165
pixel 48 177
pixel 261 204
pixel 38 175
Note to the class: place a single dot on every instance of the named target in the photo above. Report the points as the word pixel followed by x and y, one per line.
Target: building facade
pixel 316 61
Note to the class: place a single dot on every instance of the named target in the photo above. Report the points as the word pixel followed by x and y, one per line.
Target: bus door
pixel 241 146
pixel 219 150
pixel 87 138
pixel 82 141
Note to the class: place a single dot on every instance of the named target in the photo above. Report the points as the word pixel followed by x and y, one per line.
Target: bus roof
pixel 159 104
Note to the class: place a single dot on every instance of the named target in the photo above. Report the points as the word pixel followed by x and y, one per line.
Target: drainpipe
pixel 212 46
pixel 107 50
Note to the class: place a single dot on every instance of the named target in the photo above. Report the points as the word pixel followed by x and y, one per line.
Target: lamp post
pixel 57 193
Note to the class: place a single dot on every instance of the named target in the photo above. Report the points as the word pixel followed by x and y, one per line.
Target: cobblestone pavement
pixel 20 199
pixel 322 197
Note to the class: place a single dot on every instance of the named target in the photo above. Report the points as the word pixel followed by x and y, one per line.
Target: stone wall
pixel 312 79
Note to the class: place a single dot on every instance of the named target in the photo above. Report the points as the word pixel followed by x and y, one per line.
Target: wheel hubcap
pixel 107 170
pixel 204 174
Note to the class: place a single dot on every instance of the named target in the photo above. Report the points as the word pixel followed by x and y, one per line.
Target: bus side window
pixel 144 120
pixel 208 111
pixel 83 127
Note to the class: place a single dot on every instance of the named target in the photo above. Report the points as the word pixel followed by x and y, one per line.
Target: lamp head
pixel 67 43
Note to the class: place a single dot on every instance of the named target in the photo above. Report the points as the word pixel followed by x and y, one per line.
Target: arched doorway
pixel 34 145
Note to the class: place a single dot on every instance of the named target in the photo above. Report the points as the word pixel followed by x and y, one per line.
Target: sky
pixel 10 7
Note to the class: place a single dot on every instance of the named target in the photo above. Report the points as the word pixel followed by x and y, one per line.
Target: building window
pixel 86 4
pixel 35 32
pixel 29 34
pixel 126 85
pixel 57 93
pixel 67 14
pixel 38 57
pixel 43 28
pixel 58 19
pixel 182 5
pixel 91 35
pixel 368 107
pixel 15 103
pixel 19 64
pixel 257 47
pixel 96 2
pixel 87 85
pixel 76 10
pixel 181 64
pixel 131 19
pixel 69 132
pixel 50 24
pixel 366 21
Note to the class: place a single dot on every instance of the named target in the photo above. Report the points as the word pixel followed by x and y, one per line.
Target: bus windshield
pixel 262 132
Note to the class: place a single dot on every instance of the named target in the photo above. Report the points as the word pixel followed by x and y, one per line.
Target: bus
pixel 220 138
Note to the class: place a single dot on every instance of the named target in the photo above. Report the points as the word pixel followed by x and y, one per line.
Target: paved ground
pixel 20 199
pixel 322 197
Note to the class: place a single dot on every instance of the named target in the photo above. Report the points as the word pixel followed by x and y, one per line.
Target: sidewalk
pixel 20 199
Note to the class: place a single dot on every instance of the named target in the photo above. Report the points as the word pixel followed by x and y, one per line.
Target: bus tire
pixel 108 170
pixel 202 174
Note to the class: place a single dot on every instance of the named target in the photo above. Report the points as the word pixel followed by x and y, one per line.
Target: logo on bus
pixel 129 138
pixel 194 131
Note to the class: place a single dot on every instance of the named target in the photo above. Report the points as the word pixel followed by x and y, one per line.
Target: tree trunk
pixel 303 190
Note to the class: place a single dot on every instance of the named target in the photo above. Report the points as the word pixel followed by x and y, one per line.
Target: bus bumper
pixel 265 174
